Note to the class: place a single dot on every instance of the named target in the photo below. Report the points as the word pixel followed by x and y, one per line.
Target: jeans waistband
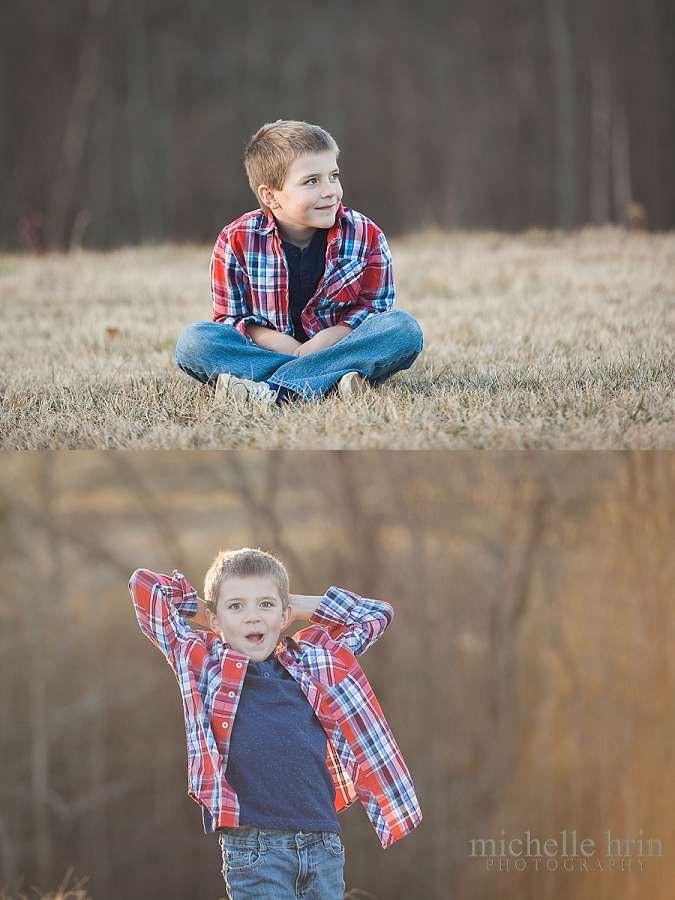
pixel 258 837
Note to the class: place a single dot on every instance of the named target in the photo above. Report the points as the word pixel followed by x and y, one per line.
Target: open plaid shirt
pixel 249 275
pixel 363 757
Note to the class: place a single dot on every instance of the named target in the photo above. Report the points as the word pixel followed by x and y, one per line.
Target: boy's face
pixel 310 196
pixel 249 615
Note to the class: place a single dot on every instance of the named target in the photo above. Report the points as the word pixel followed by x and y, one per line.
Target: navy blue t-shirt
pixel 305 270
pixel 277 759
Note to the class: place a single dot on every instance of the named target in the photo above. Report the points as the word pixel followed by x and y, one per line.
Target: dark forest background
pixel 529 673
pixel 124 121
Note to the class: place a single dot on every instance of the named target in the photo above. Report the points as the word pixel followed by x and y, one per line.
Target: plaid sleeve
pixel 377 293
pixel 162 606
pixel 352 621
pixel 229 283
pixel 230 286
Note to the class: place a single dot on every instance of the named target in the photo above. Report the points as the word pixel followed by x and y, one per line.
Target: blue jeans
pixel 385 343
pixel 282 865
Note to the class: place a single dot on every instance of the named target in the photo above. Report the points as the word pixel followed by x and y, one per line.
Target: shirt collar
pixel 287 643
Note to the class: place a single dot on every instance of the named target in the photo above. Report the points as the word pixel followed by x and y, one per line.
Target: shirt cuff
pixel 357 317
pixel 336 607
pixel 185 599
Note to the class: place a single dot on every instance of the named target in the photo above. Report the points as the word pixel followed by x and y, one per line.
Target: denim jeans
pixel 383 344
pixel 282 865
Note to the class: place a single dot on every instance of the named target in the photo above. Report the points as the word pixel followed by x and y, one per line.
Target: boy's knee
pixel 407 325
pixel 192 347
pixel 188 339
pixel 195 339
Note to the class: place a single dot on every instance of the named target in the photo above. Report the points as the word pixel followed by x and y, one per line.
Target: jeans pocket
pixel 335 847
pixel 240 859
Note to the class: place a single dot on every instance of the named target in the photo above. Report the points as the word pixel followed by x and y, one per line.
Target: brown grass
pixel 64 892
pixel 539 340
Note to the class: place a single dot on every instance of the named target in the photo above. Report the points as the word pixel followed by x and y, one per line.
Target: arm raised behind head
pixel 353 621
pixel 303 606
pixel 163 607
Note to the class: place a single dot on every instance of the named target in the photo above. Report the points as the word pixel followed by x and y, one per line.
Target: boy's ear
pixel 287 616
pixel 214 624
pixel 267 197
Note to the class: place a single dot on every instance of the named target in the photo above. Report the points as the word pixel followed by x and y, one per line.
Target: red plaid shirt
pixel 363 757
pixel 249 275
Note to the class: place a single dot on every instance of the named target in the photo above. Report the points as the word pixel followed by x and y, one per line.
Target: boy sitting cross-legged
pixel 281 736
pixel 302 287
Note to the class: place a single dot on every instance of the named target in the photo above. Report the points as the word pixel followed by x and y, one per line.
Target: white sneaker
pixel 353 384
pixel 244 389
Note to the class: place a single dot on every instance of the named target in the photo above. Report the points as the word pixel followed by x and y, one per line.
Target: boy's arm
pixel 271 339
pixel 163 606
pixel 353 621
pixel 303 606
pixel 200 616
pixel 230 291
pixel 229 284
pixel 323 339
pixel 376 291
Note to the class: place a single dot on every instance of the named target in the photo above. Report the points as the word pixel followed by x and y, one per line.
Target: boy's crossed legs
pixel 282 865
pixel 385 343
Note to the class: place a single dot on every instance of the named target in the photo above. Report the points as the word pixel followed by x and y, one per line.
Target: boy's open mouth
pixel 255 638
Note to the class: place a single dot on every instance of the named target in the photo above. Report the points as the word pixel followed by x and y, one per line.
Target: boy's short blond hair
pixel 244 563
pixel 276 145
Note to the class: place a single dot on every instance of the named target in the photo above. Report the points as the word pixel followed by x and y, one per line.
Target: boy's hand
pixel 201 618
pixel 324 339
pixel 302 606
pixel 269 339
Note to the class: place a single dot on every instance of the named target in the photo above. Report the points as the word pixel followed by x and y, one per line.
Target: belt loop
pixel 261 841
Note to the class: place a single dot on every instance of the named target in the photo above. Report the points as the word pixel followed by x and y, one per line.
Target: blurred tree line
pixel 529 674
pixel 124 121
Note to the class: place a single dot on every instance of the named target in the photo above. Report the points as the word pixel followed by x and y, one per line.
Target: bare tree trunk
pixel 8 198
pixel 152 508
pixel 8 868
pixel 39 740
pixel 621 181
pixel 403 112
pixel 263 510
pixel 147 127
pixel 72 147
pixel 600 142
pixel 97 751
pixel 8 850
pixel 43 595
pixel 562 59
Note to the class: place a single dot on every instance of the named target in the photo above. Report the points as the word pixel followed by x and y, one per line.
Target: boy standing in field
pixel 302 287
pixel 281 736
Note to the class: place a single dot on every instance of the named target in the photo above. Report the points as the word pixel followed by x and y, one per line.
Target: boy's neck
pixel 298 235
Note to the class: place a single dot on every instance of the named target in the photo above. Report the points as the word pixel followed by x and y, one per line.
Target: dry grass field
pixel 539 340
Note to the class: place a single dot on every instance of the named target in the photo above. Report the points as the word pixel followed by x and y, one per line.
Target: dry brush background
pixel 528 674
pixel 124 122
pixel 541 340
